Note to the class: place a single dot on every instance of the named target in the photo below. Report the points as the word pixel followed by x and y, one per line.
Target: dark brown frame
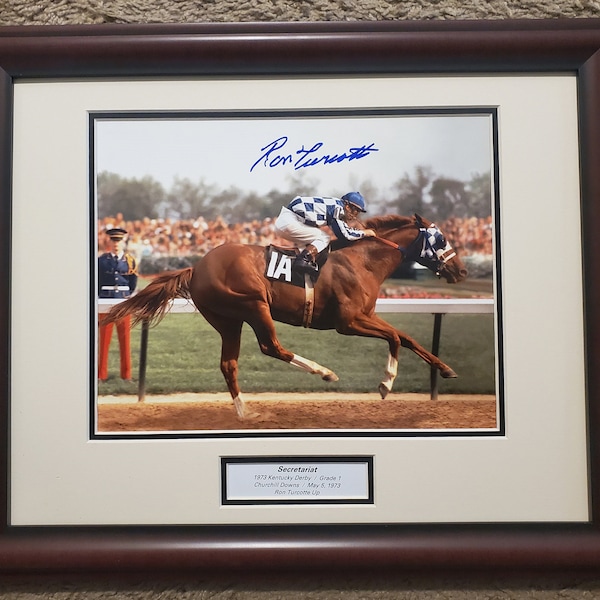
pixel 418 47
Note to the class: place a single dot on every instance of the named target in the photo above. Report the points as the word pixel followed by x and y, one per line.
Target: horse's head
pixel 432 250
pixel 420 240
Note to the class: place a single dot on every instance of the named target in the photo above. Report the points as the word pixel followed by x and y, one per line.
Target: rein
pixel 392 244
pixel 402 250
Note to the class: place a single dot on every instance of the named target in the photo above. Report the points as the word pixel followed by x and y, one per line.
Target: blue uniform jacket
pixel 117 277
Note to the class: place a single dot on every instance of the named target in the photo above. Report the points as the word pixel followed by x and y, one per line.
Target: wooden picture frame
pixel 322 49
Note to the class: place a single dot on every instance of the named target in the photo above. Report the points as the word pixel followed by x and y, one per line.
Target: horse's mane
pixel 388 222
pixel 380 225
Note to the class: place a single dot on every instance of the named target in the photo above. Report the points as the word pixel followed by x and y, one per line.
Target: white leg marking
pixel 242 411
pixel 313 367
pixel 391 370
pixel 239 406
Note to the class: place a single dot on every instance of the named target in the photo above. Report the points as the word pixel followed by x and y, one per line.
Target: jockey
pixel 302 220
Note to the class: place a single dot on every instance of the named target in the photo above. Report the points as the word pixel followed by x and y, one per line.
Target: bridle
pixel 423 248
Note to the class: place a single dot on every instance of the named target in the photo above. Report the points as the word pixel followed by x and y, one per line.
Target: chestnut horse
pixel 229 287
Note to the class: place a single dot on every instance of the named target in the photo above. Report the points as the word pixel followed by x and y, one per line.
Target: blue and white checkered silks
pixel 317 211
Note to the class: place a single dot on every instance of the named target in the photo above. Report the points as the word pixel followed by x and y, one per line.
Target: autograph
pixel 307 157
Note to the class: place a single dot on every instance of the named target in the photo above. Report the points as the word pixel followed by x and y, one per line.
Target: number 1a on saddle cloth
pixel 280 262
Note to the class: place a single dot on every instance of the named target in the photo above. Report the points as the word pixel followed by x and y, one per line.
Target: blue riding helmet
pixel 356 199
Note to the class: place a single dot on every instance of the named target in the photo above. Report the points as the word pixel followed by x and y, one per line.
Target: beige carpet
pixel 436 586
pixel 61 12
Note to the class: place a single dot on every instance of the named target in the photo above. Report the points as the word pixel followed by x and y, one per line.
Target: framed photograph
pixel 178 156
pixel 184 183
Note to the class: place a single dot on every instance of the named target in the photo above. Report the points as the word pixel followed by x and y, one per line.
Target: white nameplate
pixel 268 480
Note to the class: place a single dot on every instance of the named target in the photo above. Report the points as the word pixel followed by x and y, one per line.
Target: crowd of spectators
pixel 470 236
pixel 188 237
pixel 195 237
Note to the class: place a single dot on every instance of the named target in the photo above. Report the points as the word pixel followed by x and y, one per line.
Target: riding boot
pixel 305 262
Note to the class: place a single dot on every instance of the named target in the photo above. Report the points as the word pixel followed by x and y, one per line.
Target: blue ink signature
pixel 307 157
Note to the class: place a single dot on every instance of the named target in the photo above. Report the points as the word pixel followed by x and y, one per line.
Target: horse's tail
pixel 152 303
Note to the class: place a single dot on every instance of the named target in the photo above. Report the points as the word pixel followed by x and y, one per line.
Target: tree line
pixel 423 191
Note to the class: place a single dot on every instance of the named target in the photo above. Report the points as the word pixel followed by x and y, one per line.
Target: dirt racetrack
pixel 210 412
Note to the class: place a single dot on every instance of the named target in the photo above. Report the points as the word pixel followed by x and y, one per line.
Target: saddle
pixel 280 263
pixel 280 267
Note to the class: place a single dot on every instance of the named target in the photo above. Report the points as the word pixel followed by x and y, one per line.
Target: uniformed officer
pixel 117 278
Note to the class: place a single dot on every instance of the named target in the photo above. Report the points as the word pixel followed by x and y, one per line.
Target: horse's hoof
pixel 330 377
pixel 448 373
pixel 240 407
pixel 383 390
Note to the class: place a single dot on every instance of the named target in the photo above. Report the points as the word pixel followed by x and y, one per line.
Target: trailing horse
pixel 229 286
